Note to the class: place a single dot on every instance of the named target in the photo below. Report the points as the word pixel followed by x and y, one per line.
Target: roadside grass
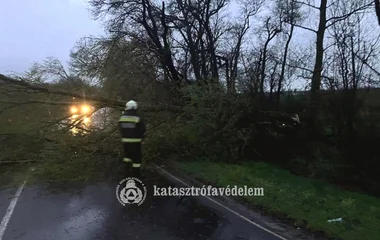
pixel 310 203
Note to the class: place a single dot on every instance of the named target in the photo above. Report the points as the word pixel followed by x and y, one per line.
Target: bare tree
pixel 271 30
pixel 251 68
pixel 234 40
pixel 324 22
pixel 129 18
pixel 352 52
pixel 289 12
pixel 50 69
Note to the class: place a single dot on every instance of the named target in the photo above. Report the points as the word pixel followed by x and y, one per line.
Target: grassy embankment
pixel 307 202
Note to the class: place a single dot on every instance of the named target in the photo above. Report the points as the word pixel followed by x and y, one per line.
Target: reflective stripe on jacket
pixel 132 128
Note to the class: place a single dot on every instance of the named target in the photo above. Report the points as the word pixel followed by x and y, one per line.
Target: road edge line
pixel 223 206
pixel 10 209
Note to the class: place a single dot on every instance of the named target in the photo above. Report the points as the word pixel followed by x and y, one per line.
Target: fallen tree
pixel 103 101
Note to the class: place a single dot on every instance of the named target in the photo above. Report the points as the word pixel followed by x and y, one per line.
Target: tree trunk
pixel 263 66
pixel 316 79
pixel 377 7
pixel 352 103
pixel 282 75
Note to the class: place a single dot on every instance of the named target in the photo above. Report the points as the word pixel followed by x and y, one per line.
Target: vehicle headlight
pixel 74 110
pixel 85 109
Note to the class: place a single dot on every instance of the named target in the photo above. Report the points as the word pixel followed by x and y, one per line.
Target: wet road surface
pixel 93 212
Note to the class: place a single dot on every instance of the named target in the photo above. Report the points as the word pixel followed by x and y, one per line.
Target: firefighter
pixel 132 130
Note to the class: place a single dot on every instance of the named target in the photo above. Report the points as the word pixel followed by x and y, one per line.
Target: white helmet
pixel 131 105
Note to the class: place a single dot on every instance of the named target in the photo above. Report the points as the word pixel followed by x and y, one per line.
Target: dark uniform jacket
pixel 132 127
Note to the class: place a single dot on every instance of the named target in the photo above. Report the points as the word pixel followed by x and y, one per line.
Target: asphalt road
pixel 93 212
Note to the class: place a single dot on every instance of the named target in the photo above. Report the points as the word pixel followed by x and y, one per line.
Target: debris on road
pixel 335 220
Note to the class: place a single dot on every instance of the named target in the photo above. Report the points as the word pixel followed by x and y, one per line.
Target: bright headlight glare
pixel 85 109
pixel 74 109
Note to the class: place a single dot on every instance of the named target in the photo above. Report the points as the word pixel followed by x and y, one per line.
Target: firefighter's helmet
pixel 131 105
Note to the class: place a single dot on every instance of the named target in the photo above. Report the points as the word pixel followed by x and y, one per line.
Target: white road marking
pixel 8 215
pixel 225 207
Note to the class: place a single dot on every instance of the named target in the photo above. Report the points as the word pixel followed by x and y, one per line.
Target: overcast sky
pixel 32 30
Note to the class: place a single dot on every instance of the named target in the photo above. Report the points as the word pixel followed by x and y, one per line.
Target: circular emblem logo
pixel 131 191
